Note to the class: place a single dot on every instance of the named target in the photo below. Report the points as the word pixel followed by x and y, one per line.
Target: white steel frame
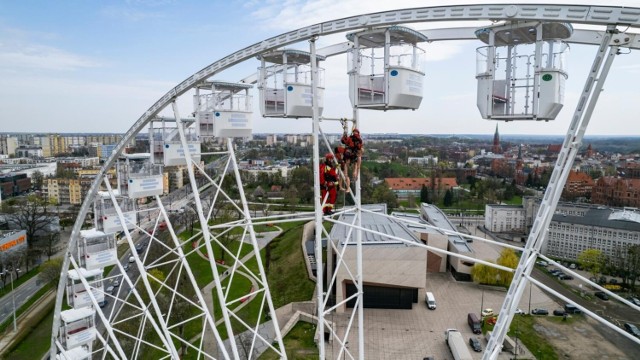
pixel 145 303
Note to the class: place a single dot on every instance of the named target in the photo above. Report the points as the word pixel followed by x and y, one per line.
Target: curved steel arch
pixel 590 15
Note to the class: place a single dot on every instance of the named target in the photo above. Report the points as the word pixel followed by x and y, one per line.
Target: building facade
pixel 64 191
pixel 505 218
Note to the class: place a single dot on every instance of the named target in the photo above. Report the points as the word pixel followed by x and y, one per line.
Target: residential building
pixel 272 140
pixel 8 145
pixel 428 160
pixel 64 191
pixel 105 150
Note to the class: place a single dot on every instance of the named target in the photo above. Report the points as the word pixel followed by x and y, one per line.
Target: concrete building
pixel 608 230
pixel 460 269
pixel 8 145
pixel 428 160
pixel 64 191
pixel 14 184
pixel 505 218
pixel 272 140
pixel 29 151
pixel 105 150
pixel 393 271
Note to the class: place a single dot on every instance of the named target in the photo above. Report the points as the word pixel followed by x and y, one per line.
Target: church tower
pixel 496 148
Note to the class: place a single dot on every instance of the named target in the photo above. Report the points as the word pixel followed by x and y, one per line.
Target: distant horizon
pixel 330 133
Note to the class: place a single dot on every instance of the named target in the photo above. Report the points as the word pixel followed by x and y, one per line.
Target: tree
pixel 50 271
pixel 508 258
pixel 448 198
pixel 382 194
pixel 30 214
pixel 424 194
pixel 37 179
pixel 484 274
pixel 592 260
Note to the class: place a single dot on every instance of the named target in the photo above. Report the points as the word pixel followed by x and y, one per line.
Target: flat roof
pixel 379 223
pixel 602 217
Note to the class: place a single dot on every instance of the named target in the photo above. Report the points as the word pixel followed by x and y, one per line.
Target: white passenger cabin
pixel 79 353
pixel 521 73
pixel 285 84
pixel 166 146
pixel 386 68
pixel 226 111
pixel 77 295
pixel 96 249
pixel 139 177
pixel 77 328
pixel 106 218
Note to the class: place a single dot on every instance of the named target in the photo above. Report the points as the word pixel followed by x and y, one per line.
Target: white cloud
pixel 19 52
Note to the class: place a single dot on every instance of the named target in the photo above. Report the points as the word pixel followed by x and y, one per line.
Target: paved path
pixel 266 329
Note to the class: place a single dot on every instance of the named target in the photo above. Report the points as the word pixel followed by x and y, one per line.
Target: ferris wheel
pixel 181 274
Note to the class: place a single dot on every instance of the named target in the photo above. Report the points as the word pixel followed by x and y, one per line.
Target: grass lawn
pixel 536 344
pixel 37 342
pixel 298 342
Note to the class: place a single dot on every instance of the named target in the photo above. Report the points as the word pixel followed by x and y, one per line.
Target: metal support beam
pixel 588 99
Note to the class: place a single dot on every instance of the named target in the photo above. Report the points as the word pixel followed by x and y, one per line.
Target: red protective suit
pixel 328 179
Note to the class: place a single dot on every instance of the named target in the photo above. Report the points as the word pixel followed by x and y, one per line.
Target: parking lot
pixel 419 332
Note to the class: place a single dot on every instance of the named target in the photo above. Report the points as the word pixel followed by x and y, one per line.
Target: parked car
pixel 542 263
pixel 475 344
pixel 539 312
pixel 632 329
pixel 520 311
pixel 559 312
pixel 125 267
pixel 487 312
pixel 115 283
pixel 634 301
pixel 565 277
pixel 110 290
pixel 103 303
pixel 131 259
pixel 572 309
pixel 602 295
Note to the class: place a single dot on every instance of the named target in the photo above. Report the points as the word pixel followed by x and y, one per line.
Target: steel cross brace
pixel 588 99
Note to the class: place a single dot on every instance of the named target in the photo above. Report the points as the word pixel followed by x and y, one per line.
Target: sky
pixel 97 66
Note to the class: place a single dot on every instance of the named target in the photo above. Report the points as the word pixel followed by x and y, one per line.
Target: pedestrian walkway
pixel 243 340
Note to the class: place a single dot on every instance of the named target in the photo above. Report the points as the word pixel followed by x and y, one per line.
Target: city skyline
pixel 100 72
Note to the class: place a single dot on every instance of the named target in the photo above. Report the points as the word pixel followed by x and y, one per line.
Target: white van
pixel 430 300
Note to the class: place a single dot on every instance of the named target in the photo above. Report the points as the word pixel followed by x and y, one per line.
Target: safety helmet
pixel 355 131
pixel 328 157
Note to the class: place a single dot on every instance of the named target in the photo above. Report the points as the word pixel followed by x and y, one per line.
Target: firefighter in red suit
pixel 328 182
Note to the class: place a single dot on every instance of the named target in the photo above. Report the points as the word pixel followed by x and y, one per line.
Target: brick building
pixel 578 184
pixel 616 191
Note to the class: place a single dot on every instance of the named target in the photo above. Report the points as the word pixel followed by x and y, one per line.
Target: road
pixel 21 293
pixel 611 310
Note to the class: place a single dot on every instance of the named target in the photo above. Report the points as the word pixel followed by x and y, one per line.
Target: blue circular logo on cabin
pixel 131 181
pixel 217 114
pixel 166 146
pixel 394 72
pixel 289 88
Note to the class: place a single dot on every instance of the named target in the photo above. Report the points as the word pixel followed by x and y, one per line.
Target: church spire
pixel 496 148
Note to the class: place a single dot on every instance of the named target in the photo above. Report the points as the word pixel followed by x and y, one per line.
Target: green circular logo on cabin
pixel 547 77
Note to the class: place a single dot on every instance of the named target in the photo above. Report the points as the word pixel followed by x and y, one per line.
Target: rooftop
pixel 372 221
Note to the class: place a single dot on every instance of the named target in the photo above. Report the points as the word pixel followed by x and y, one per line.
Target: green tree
pixel 592 260
pixel 382 194
pixel 37 179
pixel 507 258
pixel 424 194
pixel 448 198
pixel 50 271
pixel 484 274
